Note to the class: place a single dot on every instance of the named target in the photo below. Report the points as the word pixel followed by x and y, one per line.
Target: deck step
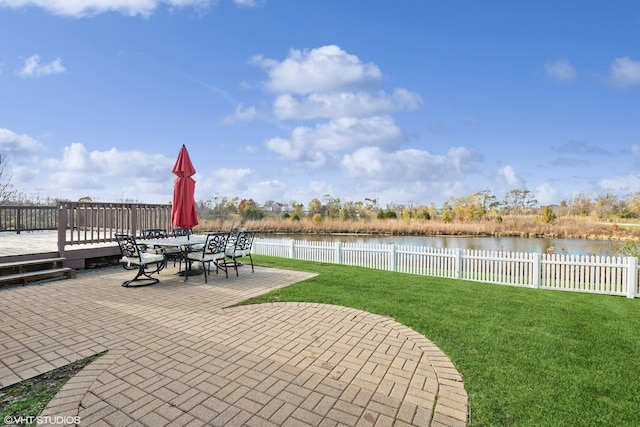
pixel 18 264
pixel 25 271
pixel 32 276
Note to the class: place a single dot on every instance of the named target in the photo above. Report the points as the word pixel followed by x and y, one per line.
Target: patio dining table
pixel 183 243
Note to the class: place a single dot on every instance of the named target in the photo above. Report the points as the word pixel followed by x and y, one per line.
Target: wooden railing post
pixel 134 219
pixel 62 228
pixel 18 221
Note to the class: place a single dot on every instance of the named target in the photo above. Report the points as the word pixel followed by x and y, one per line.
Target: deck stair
pixel 23 272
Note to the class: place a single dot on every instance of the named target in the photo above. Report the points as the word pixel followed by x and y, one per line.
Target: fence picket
pixel 593 274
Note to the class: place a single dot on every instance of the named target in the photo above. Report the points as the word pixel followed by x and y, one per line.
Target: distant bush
pixel 628 248
pixel 386 214
pixel 548 216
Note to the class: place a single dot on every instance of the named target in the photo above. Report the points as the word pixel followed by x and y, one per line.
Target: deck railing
pixel 28 218
pixel 594 274
pixel 85 222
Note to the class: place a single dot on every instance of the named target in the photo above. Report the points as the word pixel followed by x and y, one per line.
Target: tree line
pixel 478 206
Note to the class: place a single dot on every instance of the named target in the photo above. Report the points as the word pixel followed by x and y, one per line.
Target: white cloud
pixel 621 184
pixel 250 3
pixel 226 181
pixel 84 8
pixel 132 174
pixel 328 83
pixel 113 163
pixel 624 72
pixel 508 175
pixel 337 104
pixel 408 165
pixel 561 71
pixel 266 190
pixel 123 163
pixel 232 174
pixel 11 142
pixel 546 194
pixel 33 68
pixel 25 173
pixel 296 150
pixel 241 114
pixel 310 144
pixel 324 69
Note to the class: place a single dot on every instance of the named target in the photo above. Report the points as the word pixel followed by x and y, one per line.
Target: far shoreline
pixel 581 228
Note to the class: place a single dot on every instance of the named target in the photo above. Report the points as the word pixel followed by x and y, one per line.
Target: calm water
pixel 510 244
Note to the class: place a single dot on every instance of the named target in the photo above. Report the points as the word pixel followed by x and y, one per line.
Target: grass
pixel 29 397
pixel 528 357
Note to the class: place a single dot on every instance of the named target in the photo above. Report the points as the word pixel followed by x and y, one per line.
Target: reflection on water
pixel 509 244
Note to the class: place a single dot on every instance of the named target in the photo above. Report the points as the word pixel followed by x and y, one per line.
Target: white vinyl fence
pixel 595 274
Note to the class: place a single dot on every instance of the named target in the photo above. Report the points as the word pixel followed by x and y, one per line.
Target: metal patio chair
pixel 211 253
pixel 170 254
pixel 134 257
pixel 241 248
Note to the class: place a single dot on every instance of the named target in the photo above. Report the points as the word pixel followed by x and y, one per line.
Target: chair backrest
pixel 216 243
pixel 244 240
pixel 128 246
pixel 154 233
pixel 177 232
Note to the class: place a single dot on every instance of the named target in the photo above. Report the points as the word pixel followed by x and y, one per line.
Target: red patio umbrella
pixel 183 210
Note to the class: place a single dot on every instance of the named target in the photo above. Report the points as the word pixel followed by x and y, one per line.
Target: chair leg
pixel 235 265
pixel 144 276
pixel 187 268
pixel 221 265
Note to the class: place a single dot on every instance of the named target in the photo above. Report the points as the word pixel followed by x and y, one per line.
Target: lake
pixel 509 244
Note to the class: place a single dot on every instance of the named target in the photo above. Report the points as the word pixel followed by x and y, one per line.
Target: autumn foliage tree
pixel 249 209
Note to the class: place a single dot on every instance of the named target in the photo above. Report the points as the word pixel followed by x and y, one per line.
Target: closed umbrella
pixel 183 210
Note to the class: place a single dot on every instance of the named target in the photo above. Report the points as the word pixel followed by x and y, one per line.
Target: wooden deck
pixel 42 244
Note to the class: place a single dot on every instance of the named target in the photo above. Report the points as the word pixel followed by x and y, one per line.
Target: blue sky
pixel 289 100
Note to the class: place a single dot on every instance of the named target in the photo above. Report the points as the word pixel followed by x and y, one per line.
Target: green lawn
pixel 528 357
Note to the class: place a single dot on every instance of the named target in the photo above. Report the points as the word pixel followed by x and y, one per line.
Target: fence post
pixel 632 276
pixel 292 249
pixel 337 257
pixel 457 263
pixel 536 270
pixel 392 257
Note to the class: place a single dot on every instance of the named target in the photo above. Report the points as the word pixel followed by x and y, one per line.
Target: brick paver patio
pixel 179 355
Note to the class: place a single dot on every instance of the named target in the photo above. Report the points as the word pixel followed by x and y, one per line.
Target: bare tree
pixel 519 201
pixel 607 205
pixel 581 205
pixel 6 188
